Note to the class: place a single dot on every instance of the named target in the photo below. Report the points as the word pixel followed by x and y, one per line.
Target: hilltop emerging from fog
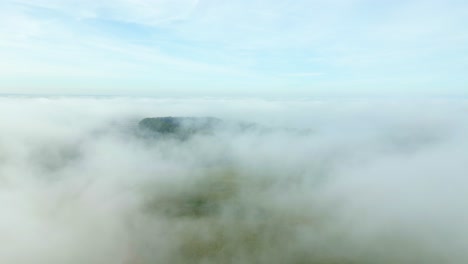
pixel 184 127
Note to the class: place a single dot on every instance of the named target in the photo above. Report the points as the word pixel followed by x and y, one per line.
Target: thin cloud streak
pixel 371 46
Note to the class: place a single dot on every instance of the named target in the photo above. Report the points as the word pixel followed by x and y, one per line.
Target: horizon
pixel 233 132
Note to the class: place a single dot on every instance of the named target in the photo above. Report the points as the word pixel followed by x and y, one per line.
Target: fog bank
pixel 328 181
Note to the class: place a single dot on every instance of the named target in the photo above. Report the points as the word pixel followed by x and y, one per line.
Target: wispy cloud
pixel 251 42
pixel 149 12
pixel 304 74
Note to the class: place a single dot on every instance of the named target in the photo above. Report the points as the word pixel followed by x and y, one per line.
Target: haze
pixel 330 181
pixel 233 132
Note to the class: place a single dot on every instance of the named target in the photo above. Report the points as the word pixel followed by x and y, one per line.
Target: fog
pixel 332 181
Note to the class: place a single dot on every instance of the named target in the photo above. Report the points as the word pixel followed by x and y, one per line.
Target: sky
pixel 234 48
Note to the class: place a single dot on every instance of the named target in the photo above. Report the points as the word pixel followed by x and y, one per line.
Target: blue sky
pixel 234 48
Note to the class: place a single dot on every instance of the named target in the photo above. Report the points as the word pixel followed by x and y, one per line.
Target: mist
pixel 327 181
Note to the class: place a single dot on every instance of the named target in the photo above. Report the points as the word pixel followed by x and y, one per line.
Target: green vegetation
pixel 223 216
pixel 181 127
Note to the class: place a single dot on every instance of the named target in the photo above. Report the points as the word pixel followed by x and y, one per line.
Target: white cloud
pixel 358 43
pixel 304 74
pixel 150 12
pixel 379 181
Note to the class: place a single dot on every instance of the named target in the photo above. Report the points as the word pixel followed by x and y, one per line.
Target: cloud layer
pixel 350 181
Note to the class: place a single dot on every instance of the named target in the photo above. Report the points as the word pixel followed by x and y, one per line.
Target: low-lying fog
pixel 329 182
